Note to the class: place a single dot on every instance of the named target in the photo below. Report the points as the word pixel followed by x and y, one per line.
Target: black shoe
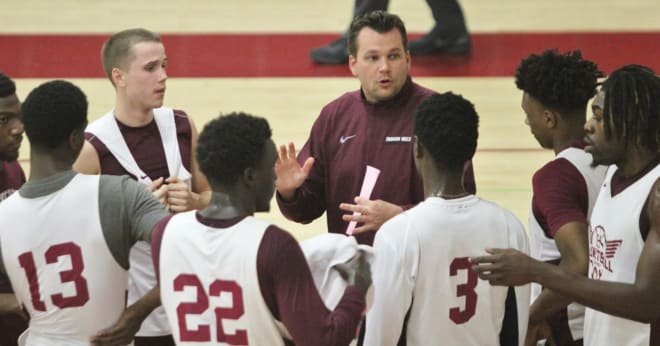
pixel 433 44
pixel 333 54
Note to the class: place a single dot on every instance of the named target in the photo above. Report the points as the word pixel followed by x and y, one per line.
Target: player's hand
pixel 290 175
pixel 179 196
pixel 121 333
pixel 159 190
pixel 504 267
pixel 356 272
pixel 538 332
pixel 370 214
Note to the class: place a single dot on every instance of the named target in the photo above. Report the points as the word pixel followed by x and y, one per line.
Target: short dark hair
pixel 52 111
pixel 379 21
pixel 7 86
pixel 447 126
pixel 632 106
pixel 231 143
pixel 561 82
pixel 118 49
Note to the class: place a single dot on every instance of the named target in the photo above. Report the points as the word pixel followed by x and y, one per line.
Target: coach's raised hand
pixel 290 175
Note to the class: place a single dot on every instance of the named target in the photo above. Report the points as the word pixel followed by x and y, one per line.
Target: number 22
pixel 203 332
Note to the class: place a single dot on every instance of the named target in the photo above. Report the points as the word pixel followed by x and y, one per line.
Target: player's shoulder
pixel 119 186
pixel 275 234
pixel 556 166
pixel 397 229
pixel 116 179
pixel 492 208
pixel 556 171
pixel 179 112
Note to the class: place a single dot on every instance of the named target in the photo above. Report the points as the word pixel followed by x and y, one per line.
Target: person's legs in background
pixel 337 52
pixel 449 36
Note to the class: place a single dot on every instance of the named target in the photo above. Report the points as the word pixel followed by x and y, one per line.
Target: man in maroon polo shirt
pixel 11 179
pixel 373 127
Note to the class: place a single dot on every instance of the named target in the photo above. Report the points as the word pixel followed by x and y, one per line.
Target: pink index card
pixel 370 178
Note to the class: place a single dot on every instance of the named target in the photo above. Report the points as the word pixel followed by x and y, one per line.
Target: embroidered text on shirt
pixel 394 139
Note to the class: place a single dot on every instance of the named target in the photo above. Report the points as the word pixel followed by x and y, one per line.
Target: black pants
pixel 165 340
pixel 449 19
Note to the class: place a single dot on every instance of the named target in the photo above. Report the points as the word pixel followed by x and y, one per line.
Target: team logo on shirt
pixel 343 139
pixel 601 251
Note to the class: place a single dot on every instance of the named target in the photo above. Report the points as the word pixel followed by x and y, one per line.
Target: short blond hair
pixel 117 51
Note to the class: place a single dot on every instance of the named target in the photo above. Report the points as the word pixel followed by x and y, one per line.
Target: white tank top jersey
pixel 209 284
pixel 545 249
pixel 69 282
pixel 422 273
pixel 142 277
pixel 615 244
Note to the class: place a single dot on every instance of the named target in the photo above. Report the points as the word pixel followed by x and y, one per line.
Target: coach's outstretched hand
pixel 290 175
pixel 356 272
pixel 505 267
pixel 369 214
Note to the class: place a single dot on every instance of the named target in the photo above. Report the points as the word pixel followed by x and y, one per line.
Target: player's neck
pixel 225 206
pixel 46 164
pixel 564 138
pixel 131 114
pixel 447 185
pixel 635 161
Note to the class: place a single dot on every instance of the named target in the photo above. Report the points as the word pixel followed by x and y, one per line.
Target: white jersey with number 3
pixel 423 282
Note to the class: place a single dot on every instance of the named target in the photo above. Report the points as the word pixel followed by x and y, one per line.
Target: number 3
pixel 26 260
pixel 464 290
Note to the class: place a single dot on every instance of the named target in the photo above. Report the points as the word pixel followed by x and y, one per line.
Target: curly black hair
pixel 52 111
pixel 632 106
pixel 379 21
pixel 447 126
pixel 231 143
pixel 561 82
pixel 7 86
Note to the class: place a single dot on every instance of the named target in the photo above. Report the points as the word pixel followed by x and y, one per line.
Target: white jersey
pixel 141 274
pixel 59 263
pixel 422 272
pixel 209 284
pixel 615 244
pixel 545 249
